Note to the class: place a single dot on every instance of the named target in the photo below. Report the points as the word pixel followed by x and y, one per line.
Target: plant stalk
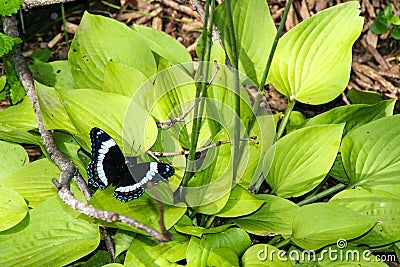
pixel 285 120
pixel 322 194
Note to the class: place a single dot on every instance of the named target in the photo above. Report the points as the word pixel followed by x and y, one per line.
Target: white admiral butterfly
pixel 108 166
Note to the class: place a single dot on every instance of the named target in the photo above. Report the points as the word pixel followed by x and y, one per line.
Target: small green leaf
pixel 330 222
pixel 380 206
pixel 313 60
pixel 7 43
pixel 12 157
pixel 186 226
pixel 380 25
pixel 13 208
pixel 52 233
pixel 395 33
pixel 370 155
pixel 274 217
pixel 7 8
pixel 92 49
pixel 395 20
pixel 199 250
pixel 264 255
pixel 387 12
pixel 353 115
pixel 303 158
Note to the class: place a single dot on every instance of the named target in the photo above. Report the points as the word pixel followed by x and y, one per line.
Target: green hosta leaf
pixel 51 234
pixel 210 187
pixel 7 43
pixel 165 46
pixel 353 115
pixel 103 199
pixel 240 203
pixel 147 252
pixel 54 74
pixel 12 157
pixel 330 222
pixel 33 181
pixel 139 127
pixel 250 18
pixel 123 240
pixel 186 226
pixel 303 158
pixel 13 208
pixel 370 155
pixel 21 116
pixel 274 217
pixel 312 61
pixel 264 255
pixel 224 257
pixel 380 206
pixel 92 49
pixel 125 80
pixel 55 117
pixel 199 250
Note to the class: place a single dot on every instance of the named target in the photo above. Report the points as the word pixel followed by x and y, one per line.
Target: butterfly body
pixel 108 166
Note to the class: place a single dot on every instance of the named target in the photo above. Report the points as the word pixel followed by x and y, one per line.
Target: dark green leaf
pixel 40 55
pixel 380 25
pixel 363 97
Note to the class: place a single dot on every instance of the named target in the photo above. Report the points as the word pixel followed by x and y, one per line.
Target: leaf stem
pixel 210 220
pixel 235 65
pixel 201 87
pixel 259 96
pixel 322 194
pixel 64 20
pixel 285 120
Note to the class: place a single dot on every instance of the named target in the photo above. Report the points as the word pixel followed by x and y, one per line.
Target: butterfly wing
pixel 108 162
pixel 129 188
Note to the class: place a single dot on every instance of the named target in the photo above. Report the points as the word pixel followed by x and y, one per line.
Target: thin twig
pixel 169 123
pixel 28 4
pixel 200 150
pixel 216 35
pixel 109 242
pixel 109 216
pixel 161 222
